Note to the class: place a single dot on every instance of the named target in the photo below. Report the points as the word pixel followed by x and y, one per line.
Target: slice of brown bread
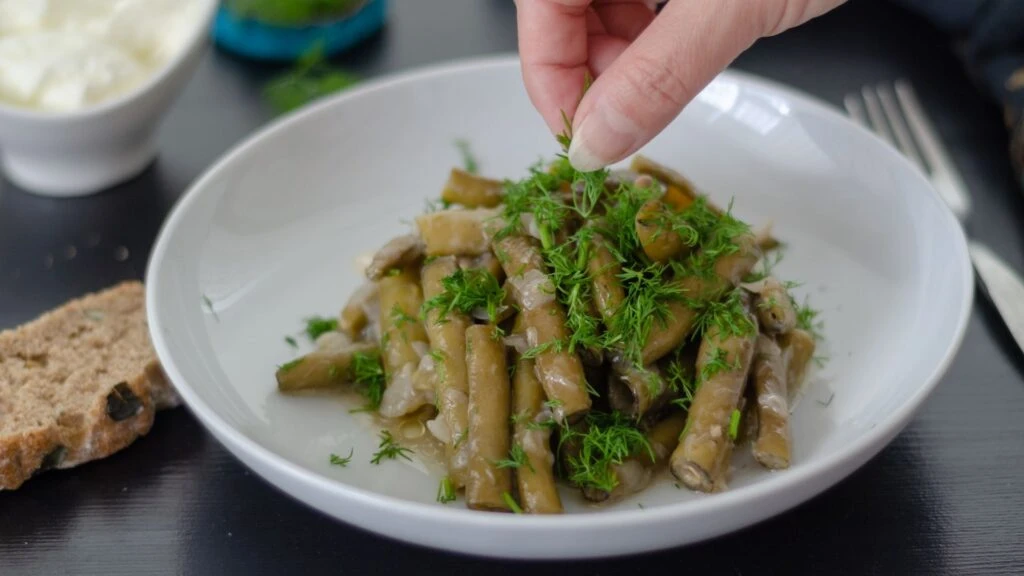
pixel 78 384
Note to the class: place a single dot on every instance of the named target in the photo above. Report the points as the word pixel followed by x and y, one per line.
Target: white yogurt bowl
pixel 79 152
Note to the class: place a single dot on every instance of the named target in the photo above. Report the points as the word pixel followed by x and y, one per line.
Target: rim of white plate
pixel 791 479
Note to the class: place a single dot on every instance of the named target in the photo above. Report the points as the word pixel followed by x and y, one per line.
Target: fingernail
pixel 602 138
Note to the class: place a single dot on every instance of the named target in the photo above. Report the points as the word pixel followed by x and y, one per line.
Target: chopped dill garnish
pixel 681 382
pixel 729 316
pixel 368 378
pixel 291 341
pixel 807 319
pixel 316 326
pixel 400 318
pixel 516 459
pixel 734 424
pixel 568 265
pixel 390 449
pixel 552 346
pixel 339 461
pixel 608 440
pixel 717 363
pixel 511 502
pixel 439 365
pixel 648 294
pixel 446 490
pixel 469 162
pixel 466 290
pixel 436 205
pixel 289 365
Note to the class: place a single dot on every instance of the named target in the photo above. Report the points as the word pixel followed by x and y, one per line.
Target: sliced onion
pixel 517 342
pixel 401 396
pixel 534 289
pixel 333 342
pixel 439 429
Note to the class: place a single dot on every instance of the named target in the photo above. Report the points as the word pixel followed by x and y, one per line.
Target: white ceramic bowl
pixel 82 152
pixel 269 235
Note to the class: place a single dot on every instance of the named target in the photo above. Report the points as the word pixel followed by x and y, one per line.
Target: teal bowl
pixel 261 41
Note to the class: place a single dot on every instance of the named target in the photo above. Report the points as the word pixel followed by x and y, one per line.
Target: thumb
pixel 686 46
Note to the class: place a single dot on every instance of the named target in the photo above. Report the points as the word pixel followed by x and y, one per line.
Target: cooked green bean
pixel 772 445
pixel 486 261
pixel 535 479
pixel 635 391
pixel 681 192
pixel 488 443
pixel 722 365
pixel 604 270
pixel 774 307
pixel 664 438
pixel 797 351
pixel 641 340
pixel 471 191
pixel 401 252
pixel 355 316
pixel 729 270
pixel 560 372
pixel 455 232
pixel 402 332
pixel 448 342
pixel 321 369
pixel 659 243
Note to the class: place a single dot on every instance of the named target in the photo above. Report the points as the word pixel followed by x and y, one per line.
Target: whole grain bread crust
pixel 117 414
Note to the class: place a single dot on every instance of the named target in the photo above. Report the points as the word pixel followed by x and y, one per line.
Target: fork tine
pixel 954 189
pixel 856 110
pixel 876 115
pixel 899 126
pixel 931 146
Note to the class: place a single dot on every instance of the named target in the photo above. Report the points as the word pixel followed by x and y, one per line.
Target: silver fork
pixel 895 114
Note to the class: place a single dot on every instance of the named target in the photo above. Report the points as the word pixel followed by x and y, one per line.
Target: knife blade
pixel 1003 286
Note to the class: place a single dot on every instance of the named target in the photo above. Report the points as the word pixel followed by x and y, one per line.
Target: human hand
pixel 648 66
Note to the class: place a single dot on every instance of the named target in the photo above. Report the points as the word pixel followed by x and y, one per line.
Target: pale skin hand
pixel 647 66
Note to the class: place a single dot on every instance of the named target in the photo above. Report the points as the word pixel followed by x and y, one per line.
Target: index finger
pixel 553 52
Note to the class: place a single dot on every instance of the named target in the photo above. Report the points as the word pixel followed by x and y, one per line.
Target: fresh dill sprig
pixel 368 378
pixel 390 449
pixel 289 365
pixel 516 459
pixel 291 341
pixel 469 161
pixel 339 461
pixel 446 490
pixel 466 290
pixel 316 326
pixel 608 440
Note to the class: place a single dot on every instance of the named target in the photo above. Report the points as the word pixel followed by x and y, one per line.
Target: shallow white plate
pixel 270 234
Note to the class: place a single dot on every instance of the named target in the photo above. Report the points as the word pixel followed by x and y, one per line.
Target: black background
pixel 946 497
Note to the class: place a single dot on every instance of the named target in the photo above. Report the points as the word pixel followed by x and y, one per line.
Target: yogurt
pixel 66 55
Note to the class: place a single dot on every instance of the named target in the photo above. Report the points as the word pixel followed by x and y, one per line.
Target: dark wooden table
pixel 945 498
